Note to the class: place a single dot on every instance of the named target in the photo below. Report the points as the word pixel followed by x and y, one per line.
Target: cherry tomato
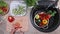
pixel 47 17
pixel 42 16
pixel 4 9
pixel 11 18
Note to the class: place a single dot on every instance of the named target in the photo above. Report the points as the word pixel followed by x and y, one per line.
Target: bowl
pixel 4 8
pixel 15 8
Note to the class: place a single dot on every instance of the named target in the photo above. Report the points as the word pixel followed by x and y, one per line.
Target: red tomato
pixel 47 16
pixel 42 16
pixel 10 19
pixel 4 9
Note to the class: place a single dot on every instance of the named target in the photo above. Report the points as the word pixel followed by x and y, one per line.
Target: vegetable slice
pixel 37 16
pixel 44 21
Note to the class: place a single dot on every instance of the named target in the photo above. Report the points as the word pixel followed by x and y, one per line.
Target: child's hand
pixel 17 26
pixel 13 31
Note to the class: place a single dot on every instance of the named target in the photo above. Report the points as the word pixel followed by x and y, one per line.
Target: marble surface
pixel 31 29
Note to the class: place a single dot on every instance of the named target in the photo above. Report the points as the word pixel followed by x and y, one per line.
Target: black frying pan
pixel 47 3
pixel 53 22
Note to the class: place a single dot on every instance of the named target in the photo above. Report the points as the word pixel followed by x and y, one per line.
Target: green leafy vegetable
pixel 1 12
pixel 30 2
pixel 53 14
pixel 19 10
pixel 50 12
pixel 3 4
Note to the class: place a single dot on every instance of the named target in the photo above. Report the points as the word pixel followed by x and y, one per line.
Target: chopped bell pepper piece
pixel 44 21
pixel 37 16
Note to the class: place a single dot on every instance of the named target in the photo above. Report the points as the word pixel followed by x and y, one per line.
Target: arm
pixel 13 31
